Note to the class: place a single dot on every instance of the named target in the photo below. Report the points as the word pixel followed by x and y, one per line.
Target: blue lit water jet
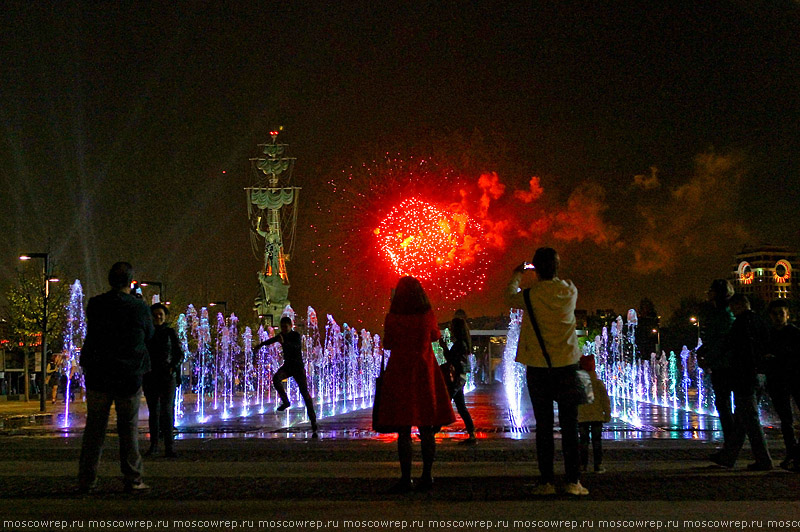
pixel 74 333
pixel 674 381
pixel 228 379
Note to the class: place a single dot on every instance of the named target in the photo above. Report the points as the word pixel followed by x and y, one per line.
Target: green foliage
pixel 583 340
pixel 595 324
pixel 25 310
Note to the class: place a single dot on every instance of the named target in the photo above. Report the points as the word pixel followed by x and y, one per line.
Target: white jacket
pixel 553 304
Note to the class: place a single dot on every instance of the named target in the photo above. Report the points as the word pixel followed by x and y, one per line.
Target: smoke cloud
pixel 526 215
pixel 492 189
pixel 647 182
pixel 582 219
pixel 695 219
pixel 534 193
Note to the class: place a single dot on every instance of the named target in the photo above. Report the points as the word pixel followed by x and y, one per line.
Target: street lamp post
pixel 224 306
pixel 47 280
pixel 657 332
pixel 696 322
pixel 162 289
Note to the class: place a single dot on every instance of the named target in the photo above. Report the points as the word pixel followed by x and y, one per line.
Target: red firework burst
pixel 435 244
pixel 353 270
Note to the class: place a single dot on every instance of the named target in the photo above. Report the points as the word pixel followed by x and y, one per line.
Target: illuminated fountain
pixel 513 373
pixel 184 340
pixel 229 380
pixel 672 381
pixel 631 379
pixel 74 333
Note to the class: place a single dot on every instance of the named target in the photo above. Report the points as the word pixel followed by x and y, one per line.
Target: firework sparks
pixel 434 244
pixel 392 218
pixel 448 228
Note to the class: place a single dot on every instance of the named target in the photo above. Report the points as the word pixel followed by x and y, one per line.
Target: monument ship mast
pixel 272 212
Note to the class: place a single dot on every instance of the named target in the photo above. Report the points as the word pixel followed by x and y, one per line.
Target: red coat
pixel 414 391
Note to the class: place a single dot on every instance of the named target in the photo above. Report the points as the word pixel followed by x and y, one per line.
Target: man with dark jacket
pixel 292 345
pixel 782 369
pixel 159 384
pixel 114 358
pixel 717 320
pixel 744 350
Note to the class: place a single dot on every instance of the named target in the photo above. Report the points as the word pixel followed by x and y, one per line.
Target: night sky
pixel 663 138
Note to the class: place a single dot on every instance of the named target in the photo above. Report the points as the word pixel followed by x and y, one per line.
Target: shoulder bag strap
pixel 526 294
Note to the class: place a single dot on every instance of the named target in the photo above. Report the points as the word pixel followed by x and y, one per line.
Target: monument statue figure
pixel 272 211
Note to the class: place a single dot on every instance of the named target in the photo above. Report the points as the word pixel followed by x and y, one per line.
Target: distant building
pixel 766 273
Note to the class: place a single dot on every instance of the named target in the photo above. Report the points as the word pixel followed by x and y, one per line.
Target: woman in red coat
pixel 414 392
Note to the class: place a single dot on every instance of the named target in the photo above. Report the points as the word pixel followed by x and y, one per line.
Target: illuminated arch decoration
pixel 746 273
pixel 783 271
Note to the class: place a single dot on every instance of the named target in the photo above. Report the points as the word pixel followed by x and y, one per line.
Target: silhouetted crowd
pixel 124 352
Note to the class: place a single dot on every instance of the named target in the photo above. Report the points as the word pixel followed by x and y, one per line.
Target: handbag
pixel 581 384
pixel 381 429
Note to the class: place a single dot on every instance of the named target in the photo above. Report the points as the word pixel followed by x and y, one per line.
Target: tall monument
pixel 272 211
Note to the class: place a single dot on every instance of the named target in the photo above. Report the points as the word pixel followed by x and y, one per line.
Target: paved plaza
pixel 266 472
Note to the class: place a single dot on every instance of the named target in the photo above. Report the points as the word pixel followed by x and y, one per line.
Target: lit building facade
pixel 766 273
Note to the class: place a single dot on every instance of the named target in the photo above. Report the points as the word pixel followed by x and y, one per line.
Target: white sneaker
pixel 136 487
pixel 544 489
pixel 576 489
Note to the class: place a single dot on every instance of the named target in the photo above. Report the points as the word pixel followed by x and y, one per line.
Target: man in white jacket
pixel 553 303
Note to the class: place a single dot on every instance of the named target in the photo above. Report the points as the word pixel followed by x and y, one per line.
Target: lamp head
pixel 29 256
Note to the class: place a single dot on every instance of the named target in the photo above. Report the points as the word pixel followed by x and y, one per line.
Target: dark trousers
pixel 427 436
pixel 546 385
pixel 593 429
pixel 299 375
pixel 461 406
pixel 781 391
pixel 746 423
pixel 720 380
pixel 161 407
pixel 98 407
